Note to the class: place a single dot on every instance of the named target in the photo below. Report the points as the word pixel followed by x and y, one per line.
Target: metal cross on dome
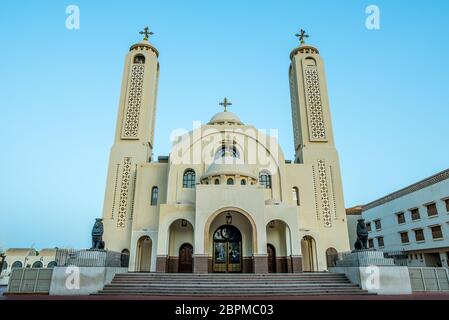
pixel 302 35
pixel 225 103
pixel 146 33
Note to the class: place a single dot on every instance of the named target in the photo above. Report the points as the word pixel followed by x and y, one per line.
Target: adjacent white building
pixel 414 220
pixel 26 258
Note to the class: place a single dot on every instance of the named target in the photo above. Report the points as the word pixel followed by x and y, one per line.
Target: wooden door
pixel 271 258
pixel 185 258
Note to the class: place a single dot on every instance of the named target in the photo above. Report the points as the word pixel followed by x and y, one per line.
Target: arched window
pixel 188 180
pixel 16 264
pixel 265 179
pixel 243 182
pixel 139 59
pixel 51 264
pixel 154 196
pixel 37 264
pixel 230 181
pixel 227 150
pixel 217 181
pixel 295 195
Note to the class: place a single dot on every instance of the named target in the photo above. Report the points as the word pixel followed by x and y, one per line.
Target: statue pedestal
pixel 373 272
pixel 365 258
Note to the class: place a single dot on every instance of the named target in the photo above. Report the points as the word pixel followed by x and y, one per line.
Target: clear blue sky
pixel 59 93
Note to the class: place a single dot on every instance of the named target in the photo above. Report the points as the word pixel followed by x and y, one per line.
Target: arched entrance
pixel 309 260
pixel 271 258
pixel 227 256
pixel 180 240
pixel 185 258
pixel 331 257
pixel 143 257
pixel 279 249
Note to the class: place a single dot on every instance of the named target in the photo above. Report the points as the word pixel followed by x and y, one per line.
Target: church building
pixel 225 199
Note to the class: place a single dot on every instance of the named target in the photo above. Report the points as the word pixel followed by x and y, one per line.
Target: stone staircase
pixel 231 285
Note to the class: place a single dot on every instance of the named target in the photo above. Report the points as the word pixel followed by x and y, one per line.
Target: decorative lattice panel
pixel 114 197
pixel 124 191
pixel 317 130
pixel 134 100
pixel 322 178
pixel 315 193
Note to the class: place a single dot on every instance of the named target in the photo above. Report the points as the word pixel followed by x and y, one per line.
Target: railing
pixel 366 258
pixel 429 279
pixel 91 258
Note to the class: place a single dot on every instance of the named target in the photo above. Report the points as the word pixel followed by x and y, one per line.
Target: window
pixel 37 264
pixel 404 237
pixel 436 232
pixel 154 196
pixel 51 264
pixel 295 195
pixel 139 59
pixel 368 226
pixel 380 242
pixel 230 181
pixel 189 179
pixel 243 182
pixel 227 150
pixel 431 209
pixel 16 264
pixel 5 266
pixel 217 181
pixel 415 214
pixel 370 243
pixel 265 179
pixel 419 235
pixel 378 224
pixel 447 204
pixel 401 217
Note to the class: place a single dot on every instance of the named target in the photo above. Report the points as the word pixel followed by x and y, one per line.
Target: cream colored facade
pixel 226 198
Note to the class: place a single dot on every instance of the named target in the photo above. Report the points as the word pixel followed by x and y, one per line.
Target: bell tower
pixel 312 126
pixel 133 141
pixel 313 134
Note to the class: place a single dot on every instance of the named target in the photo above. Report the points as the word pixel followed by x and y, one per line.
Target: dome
pixel 225 117
pixel 228 166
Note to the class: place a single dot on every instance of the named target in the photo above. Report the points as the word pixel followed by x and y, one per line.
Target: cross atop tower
pixel 225 103
pixel 146 33
pixel 302 35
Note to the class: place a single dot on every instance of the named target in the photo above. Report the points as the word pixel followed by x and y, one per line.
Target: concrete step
pixel 228 285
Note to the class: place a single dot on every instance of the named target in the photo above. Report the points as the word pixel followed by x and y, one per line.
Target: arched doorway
pixel 227 256
pixel 185 258
pixel 180 234
pixel 278 237
pixel 144 247
pixel 309 260
pixel 271 258
pixel 331 257
pixel 124 258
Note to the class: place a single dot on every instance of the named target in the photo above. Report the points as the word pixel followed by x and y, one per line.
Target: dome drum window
pixel 265 179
